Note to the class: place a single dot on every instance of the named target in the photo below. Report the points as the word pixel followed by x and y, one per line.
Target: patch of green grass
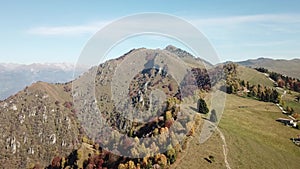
pixel 253 76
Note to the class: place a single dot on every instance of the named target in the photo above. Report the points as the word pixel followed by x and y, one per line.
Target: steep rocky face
pixel 126 84
pixel 36 124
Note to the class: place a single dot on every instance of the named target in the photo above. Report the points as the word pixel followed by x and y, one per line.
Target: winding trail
pixel 224 145
pixel 282 96
pixel 225 148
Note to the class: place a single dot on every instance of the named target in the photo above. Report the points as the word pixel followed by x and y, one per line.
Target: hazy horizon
pixel 71 63
pixel 110 56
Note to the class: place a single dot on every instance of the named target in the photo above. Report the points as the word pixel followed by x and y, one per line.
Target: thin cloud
pixel 235 20
pixel 89 28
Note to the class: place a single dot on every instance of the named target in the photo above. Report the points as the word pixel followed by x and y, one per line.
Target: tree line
pixel 234 85
pixel 282 80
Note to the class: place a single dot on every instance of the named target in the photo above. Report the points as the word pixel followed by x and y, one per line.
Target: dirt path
pixel 194 141
pixel 268 76
pixel 225 148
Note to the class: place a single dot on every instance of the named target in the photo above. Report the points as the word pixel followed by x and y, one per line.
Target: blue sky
pixel 55 31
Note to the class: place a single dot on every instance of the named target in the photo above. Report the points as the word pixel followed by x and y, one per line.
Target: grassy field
pixel 253 137
pixel 253 76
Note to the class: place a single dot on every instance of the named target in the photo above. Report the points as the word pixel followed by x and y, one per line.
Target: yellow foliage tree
pixel 156 132
pixel 161 159
pixel 122 166
pixel 131 165
pixel 168 115
pixel 85 139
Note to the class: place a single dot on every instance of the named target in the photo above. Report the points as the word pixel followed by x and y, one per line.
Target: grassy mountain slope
pixel 253 137
pixel 253 76
pixel 287 67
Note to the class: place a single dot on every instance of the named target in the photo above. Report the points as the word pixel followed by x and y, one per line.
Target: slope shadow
pixel 193 109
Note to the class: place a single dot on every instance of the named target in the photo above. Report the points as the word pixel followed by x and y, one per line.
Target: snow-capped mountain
pixel 14 77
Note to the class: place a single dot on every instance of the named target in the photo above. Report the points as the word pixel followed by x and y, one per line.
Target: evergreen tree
pixel 248 85
pixel 243 83
pixel 202 106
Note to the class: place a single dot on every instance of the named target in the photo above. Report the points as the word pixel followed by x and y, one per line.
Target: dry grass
pixel 254 139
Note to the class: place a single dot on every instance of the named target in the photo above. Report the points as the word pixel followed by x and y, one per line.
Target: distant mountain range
pixel 287 67
pixel 14 77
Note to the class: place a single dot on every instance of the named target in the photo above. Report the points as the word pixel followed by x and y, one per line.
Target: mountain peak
pixel 178 51
pixel 170 47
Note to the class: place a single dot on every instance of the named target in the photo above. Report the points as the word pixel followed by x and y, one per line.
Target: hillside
pixel 253 76
pixel 36 125
pixel 140 111
pixel 42 121
pixel 287 67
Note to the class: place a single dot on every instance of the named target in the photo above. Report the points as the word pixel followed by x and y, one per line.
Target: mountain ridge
pixel 41 121
pixel 46 114
pixel 283 66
